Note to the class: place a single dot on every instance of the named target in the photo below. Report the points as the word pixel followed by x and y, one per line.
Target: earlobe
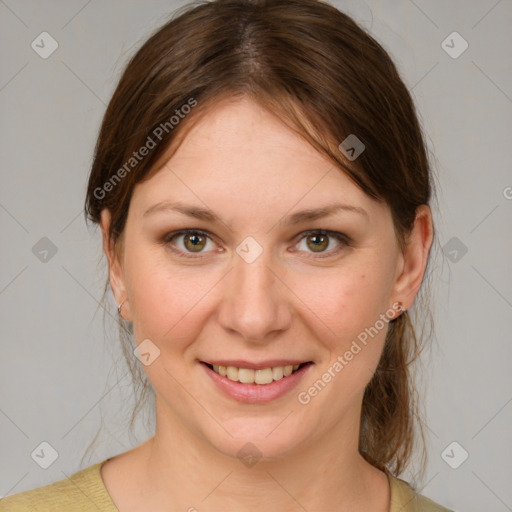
pixel 415 257
pixel 116 277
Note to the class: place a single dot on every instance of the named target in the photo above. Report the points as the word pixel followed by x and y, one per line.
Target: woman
pixel 262 188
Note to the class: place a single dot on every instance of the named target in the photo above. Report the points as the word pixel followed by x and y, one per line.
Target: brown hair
pixel 322 74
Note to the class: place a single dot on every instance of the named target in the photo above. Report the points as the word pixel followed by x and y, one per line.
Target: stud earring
pixel 119 307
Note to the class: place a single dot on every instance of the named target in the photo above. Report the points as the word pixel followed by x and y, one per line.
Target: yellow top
pixel 84 491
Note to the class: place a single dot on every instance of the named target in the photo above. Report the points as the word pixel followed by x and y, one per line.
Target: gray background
pixel 59 373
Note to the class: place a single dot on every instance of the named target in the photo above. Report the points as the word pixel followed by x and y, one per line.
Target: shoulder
pixel 405 499
pixel 83 491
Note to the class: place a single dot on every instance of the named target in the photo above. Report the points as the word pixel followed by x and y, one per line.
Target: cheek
pixel 166 301
pixel 347 313
pixel 347 304
pixel 346 300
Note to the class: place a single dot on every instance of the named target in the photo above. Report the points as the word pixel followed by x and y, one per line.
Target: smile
pixel 250 376
pixel 260 384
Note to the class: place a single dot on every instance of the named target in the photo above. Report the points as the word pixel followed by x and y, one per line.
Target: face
pixel 254 285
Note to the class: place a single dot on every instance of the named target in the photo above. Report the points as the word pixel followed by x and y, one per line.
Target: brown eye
pixel 194 242
pixel 189 243
pixel 319 242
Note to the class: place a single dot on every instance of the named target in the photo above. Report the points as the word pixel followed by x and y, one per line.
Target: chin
pixel 264 439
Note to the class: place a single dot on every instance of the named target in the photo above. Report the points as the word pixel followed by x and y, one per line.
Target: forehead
pixel 237 156
pixel 233 128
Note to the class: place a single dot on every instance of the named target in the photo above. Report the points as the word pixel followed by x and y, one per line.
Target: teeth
pixel 249 376
pixel 277 372
pixel 263 376
pixel 245 375
pixel 232 373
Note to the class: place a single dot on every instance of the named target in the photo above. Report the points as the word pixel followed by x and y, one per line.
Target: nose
pixel 255 302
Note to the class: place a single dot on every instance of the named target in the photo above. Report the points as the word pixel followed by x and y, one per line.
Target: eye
pixel 319 240
pixel 193 241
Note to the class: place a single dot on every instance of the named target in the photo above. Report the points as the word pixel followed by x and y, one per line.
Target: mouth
pixel 255 383
pixel 257 375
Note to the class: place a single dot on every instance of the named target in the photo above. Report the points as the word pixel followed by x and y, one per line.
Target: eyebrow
pixel 295 218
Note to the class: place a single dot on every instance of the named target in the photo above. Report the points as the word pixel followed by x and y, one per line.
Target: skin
pixel 292 302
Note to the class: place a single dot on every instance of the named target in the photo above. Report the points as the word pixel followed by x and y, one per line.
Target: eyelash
pixel 340 237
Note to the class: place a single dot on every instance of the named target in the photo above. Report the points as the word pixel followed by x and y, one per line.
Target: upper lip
pixel 270 363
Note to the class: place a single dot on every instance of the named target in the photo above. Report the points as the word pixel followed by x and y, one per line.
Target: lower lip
pixel 256 393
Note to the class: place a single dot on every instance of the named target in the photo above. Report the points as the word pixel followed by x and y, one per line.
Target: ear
pixel 415 258
pixel 115 268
